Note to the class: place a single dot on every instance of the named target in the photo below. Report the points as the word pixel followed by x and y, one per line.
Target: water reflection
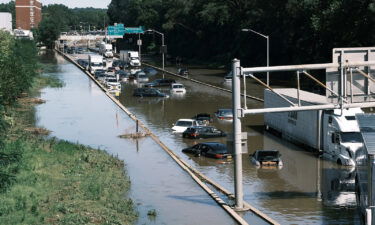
pixel 294 191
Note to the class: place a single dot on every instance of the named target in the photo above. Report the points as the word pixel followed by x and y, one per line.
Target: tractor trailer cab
pixel 342 139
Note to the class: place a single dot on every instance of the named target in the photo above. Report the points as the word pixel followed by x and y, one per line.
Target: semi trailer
pixel 334 133
pixel 130 57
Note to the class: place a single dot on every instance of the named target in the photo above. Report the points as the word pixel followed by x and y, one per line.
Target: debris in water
pixel 32 100
pixel 38 130
pixel 136 135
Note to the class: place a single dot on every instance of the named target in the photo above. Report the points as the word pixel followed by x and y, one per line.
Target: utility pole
pixel 236 96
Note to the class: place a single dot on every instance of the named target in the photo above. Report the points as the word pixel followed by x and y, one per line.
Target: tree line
pixel 300 31
pixel 57 18
pixel 18 67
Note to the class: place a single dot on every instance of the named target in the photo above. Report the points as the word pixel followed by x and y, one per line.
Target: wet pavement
pixel 307 190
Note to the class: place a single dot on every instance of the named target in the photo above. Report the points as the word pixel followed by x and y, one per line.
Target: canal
pixel 307 190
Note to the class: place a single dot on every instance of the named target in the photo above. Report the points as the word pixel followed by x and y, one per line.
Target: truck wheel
pixel 339 162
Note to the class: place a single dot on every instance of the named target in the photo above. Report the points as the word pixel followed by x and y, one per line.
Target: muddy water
pixel 80 112
pixel 306 190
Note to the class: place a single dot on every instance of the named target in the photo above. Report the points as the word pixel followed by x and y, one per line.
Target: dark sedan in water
pixel 209 149
pixel 148 92
pixel 160 83
pixel 203 132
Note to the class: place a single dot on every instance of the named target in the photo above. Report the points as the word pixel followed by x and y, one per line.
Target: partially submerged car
pixel 209 149
pixel 160 83
pixel 203 118
pixel 229 77
pixel 177 88
pixel 224 114
pixel 148 92
pixel 182 124
pixel 183 72
pixel 141 77
pixel 196 132
pixel 263 158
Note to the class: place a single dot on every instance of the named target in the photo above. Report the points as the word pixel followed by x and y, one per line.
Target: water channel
pixel 307 190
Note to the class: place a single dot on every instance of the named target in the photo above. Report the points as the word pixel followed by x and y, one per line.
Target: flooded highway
pixel 81 112
pixel 307 190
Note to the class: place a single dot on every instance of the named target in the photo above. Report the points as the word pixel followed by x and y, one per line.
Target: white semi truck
pixel 335 132
pixel 130 57
pixel 95 62
pixel 106 50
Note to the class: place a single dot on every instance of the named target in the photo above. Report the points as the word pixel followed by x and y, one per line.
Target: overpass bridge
pixel 83 40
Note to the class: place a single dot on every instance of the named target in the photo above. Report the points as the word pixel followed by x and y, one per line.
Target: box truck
pixel 130 57
pixel 95 62
pixel 106 50
pixel 334 132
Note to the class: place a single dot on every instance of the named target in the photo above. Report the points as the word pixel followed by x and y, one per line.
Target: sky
pixel 74 3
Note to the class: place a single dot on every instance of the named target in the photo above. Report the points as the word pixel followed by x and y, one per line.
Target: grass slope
pixel 50 181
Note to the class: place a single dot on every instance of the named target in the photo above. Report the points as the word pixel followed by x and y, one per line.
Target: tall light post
pixel 162 44
pixel 268 50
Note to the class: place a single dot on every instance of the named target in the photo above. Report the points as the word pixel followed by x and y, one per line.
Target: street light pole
pixel 268 50
pixel 162 43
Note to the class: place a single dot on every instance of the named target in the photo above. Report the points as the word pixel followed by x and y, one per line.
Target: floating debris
pixel 136 135
pixel 32 100
pixel 38 130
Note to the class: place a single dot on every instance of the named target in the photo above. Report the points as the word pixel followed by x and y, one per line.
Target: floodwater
pixel 307 190
pixel 81 112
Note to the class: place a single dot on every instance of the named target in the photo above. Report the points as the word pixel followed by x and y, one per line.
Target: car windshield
pixel 219 148
pixel 141 76
pixel 184 123
pixel 111 80
pixel 268 155
pixel 225 112
pixel 178 86
pixel 96 64
pixel 351 137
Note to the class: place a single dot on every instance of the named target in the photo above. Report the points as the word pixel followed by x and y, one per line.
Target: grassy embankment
pixel 49 181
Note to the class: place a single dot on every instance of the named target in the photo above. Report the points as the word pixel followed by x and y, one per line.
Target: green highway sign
pixel 120 30
pixel 134 30
pixel 117 30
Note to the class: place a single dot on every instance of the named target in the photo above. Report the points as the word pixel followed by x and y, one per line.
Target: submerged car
pixel 196 132
pixel 229 77
pixel 209 149
pixel 266 158
pixel 177 88
pixel 148 92
pixel 160 83
pixel 183 72
pixel 141 77
pixel 224 114
pixel 182 124
pixel 203 118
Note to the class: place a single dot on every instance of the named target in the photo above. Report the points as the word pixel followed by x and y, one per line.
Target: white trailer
pixel 130 57
pixel 95 62
pixel 6 21
pixel 106 50
pixel 335 132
